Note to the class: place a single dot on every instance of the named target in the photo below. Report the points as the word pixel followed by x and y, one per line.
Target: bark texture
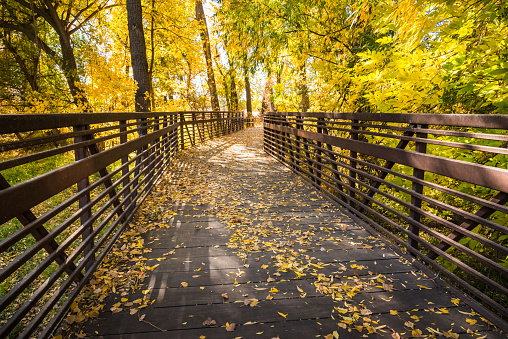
pixel 200 17
pixel 138 55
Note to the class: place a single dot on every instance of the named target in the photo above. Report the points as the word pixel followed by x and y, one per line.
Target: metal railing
pixel 69 185
pixel 437 185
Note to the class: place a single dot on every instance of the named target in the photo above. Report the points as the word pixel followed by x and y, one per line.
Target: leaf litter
pixel 258 232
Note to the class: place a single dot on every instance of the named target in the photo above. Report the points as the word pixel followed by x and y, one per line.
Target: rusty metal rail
pixel 437 185
pixel 84 176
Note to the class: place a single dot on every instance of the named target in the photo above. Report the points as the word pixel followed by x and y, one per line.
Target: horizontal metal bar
pixel 494 121
pixel 55 151
pixel 39 293
pixel 12 123
pixel 491 177
pixel 8 146
pixel 410 234
pixel 20 197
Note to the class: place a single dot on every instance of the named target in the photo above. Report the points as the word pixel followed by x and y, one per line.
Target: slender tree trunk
pixel 232 83
pixel 189 83
pixel 248 99
pixel 304 90
pixel 138 54
pixel 200 17
pixel 31 77
pixel 152 59
pixel 67 62
pixel 248 96
pixel 234 94
pixel 70 70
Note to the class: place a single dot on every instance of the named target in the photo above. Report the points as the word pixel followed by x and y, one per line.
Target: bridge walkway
pixel 230 236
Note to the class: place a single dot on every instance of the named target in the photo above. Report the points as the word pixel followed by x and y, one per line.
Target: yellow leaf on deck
pixel 184 284
pixel 393 312
pixel 417 333
pixel 471 321
pixel 153 267
pixel 283 315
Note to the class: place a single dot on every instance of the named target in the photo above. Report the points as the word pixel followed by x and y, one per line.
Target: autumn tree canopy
pixel 370 56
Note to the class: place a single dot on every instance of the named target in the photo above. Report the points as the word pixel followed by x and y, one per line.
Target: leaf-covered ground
pixel 231 244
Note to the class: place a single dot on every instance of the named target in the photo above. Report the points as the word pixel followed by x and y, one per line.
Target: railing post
pixel 353 164
pixel 154 151
pixel 182 140
pixel 80 154
pixel 142 130
pixel 318 152
pixel 125 167
pixel 420 147
pixel 194 126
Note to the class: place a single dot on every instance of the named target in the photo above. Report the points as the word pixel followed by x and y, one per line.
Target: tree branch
pixel 36 9
pixel 98 10
pixel 30 34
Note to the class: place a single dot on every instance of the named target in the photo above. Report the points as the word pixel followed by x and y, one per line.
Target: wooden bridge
pixel 379 225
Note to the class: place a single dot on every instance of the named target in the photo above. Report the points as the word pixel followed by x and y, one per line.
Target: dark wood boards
pixel 205 244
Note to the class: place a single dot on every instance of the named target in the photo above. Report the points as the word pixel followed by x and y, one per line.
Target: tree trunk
pixel 152 57
pixel 68 64
pixel 138 54
pixel 248 99
pixel 200 17
pixel 234 95
pixel 304 90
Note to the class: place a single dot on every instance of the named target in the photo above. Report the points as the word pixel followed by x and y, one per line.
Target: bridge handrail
pixel 106 164
pixel 435 184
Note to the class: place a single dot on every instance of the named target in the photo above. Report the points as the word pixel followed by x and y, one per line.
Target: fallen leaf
pixel 116 309
pixel 184 284
pixel 283 315
pixel 230 327
pixel 387 287
pixel 225 295
pixel 417 333
pixel 251 302
pixel 209 322
pixel 471 321
pixel 70 319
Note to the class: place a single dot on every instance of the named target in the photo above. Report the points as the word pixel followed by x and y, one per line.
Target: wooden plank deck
pixel 241 224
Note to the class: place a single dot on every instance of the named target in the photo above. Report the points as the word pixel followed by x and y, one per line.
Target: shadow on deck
pixel 232 236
